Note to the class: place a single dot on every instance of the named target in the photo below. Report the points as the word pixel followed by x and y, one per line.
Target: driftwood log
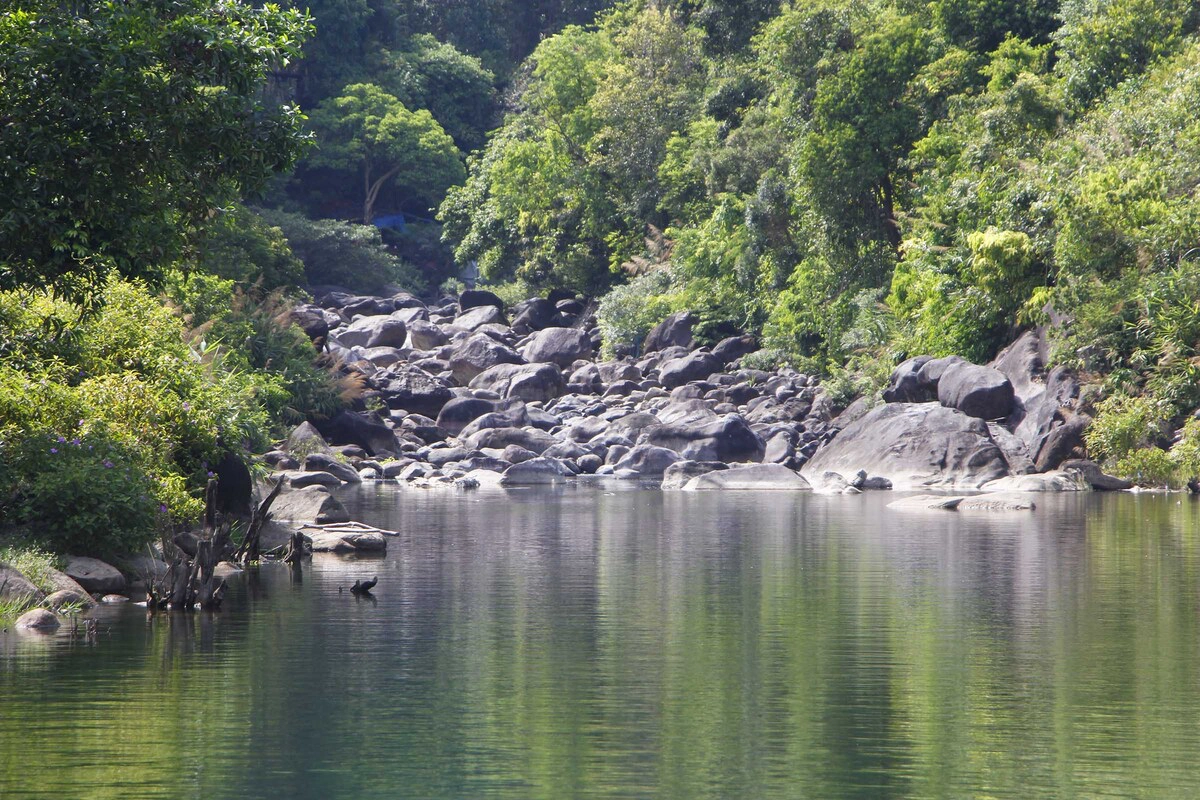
pixel 191 580
pixel 249 550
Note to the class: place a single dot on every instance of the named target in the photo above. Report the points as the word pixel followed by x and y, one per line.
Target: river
pixel 628 643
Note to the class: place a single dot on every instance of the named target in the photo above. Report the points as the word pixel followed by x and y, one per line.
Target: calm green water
pixel 631 643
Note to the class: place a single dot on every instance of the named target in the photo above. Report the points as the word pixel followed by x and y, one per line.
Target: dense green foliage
pixel 369 134
pixel 109 423
pixel 860 182
pixel 123 124
pixel 343 254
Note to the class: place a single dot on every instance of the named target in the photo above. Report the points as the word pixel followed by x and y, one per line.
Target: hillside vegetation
pixel 862 182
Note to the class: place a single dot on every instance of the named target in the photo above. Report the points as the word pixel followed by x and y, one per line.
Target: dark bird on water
pixel 364 587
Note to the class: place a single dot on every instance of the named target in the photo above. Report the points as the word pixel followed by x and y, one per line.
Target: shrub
pixel 342 254
pixel 239 245
pixel 627 313
pixel 250 333
pixel 85 495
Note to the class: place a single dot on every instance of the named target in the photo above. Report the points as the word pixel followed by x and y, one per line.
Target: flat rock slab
pixel 775 477
pixel 1057 481
pixel 347 542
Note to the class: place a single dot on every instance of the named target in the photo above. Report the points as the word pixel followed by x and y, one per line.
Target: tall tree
pixel 368 131
pixel 122 125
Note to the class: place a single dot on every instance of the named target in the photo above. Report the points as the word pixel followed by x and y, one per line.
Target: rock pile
pixel 465 389
pixel 475 387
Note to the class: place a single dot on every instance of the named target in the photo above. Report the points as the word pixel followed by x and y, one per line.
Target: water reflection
pixel 630 643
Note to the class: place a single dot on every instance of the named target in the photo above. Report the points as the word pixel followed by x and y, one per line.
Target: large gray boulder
pixel 478 317
pixel 15 586
pixel 750 477
pixel 38 620
pixel 648 460
pixel 376 331
pixel 321 462
pixel 692 367
pixel 499 438
pixel 913 445
pixel 94 575
pixel 680 473
pixel 310 319
pixel 528 382
pixel 728 438
pixel 362 429
pixel 1061 442
pixel 474 298
pixel 311 504
pixel 537 472
pixel 425 335
pixel 675 330
pixel 907 384
pixel 1096 477
pixel 461 411
pixel 1053 481
pixel 415 391
pixel 976 391
pixel 533 315
pixel 733 348
pixel 561 346
pixel 305 438
pixel 932 370
pixel 515 416
pixel 478 354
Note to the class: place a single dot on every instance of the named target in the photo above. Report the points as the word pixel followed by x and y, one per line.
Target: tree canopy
pixel 370 133
pixel 123 125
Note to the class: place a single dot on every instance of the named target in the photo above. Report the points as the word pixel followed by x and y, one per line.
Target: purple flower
pixel 76 442
pixel 61 439
pixel 53 449
pixel 187 406
pixel 162 507
pixel 107 464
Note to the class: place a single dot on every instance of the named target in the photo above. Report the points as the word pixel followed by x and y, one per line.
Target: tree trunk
pixel 372 195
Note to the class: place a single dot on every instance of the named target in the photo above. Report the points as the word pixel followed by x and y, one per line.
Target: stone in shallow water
pixel 94 575
pixel 751 476
pixel 39 620
pixel 347 542
pixel 1057 481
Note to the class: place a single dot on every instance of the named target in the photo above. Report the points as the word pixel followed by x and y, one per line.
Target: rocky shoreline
pixel 465 392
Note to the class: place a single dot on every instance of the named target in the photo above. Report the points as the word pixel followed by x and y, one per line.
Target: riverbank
pixel 466 391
